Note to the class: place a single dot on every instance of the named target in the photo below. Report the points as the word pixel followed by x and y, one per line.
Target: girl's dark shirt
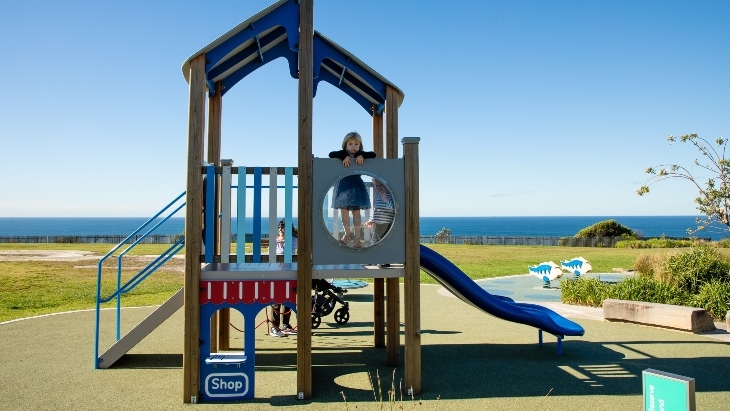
pixel 341 154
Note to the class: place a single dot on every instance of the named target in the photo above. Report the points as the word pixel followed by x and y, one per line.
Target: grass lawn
pixel 29 288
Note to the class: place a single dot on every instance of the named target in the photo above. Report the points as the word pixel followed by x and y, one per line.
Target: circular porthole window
pixel 359 210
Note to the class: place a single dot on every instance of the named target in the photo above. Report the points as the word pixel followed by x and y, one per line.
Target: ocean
pixel 647 226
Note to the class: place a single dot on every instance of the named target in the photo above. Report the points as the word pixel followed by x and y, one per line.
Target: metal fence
pixel 532 240
pixel 105 239
pixel 520 240
pixel 454 239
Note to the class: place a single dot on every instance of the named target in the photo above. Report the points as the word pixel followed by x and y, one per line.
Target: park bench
pixel 693 319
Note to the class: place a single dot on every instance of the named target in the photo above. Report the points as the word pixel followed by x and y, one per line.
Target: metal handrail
pixel 139 277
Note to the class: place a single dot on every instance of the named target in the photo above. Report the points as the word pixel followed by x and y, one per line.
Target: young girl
pixel 350 193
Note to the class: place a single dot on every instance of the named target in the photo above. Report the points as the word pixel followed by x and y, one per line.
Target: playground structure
pixel 217 280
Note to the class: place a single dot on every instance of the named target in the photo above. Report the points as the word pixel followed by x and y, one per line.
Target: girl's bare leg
pixel 345 214
pixel 356 222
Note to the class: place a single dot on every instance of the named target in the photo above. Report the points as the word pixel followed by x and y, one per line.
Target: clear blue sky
pixel 523 108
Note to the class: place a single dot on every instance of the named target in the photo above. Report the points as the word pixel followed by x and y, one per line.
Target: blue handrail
pixel 139 277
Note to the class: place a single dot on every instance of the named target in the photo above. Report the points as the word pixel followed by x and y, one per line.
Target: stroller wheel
pixel 316 320
pixel 342 316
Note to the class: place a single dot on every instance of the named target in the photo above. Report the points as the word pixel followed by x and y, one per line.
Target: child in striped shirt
pixel 383 211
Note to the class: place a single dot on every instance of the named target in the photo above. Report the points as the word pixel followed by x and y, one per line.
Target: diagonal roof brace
pixel 342 76
pixel 258 44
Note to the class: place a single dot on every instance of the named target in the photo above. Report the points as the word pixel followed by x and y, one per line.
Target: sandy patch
pixel 130 262
pixel 138 262
pixel 46 255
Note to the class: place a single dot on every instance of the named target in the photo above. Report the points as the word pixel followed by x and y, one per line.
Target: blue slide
pixel 452 278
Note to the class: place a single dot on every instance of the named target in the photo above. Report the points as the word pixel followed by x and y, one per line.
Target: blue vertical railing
pixel 209 218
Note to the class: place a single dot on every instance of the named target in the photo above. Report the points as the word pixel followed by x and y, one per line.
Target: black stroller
pixel 324 300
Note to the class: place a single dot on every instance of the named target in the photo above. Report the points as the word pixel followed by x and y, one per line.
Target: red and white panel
pixel 248 292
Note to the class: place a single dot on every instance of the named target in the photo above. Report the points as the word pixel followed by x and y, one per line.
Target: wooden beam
pixel 391 122
pixel 412 280
pixel 378 132
pixel 219 328
pixel 304 266
pixel 193 228
pixel 378 283
pixel 392 284
pixel 215 115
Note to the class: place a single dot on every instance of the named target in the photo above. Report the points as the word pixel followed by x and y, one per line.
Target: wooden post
pixel 412 280
pixel 304 265
pixel 215 109
pixel 193 230
pixel 219 327
pixel 392 284
pixel 378 283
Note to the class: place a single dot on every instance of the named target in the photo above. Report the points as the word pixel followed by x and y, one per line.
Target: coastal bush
pixel 713 296
pixel 697 278
pixel 656 243
pixel 650 265
pixel 607 228
pixel 689 270
pixel 724 243
pixel 648 290
pixel 443 236
pixel 584 291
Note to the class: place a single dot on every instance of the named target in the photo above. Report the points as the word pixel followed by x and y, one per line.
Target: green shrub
pixel 584 291
pixel 650 265
pixel 724 243
pixel 443 236
pixel 608 228
pixel 648 290
pixel 713 296
pixel 689 270
pixel 655 243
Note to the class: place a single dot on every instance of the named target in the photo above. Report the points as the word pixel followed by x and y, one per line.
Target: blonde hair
pixel 352 135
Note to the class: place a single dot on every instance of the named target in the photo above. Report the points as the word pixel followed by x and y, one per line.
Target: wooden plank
pixel 273 223
pixel 241 214
pixel 379 312
pixel 220 329
pixel 378 132
pixel 214 157
pixel 304 267
pixel 379 283
pixel 412 280
pixel 392 332
pixel 225 212
pixel 215 110
pixel 391 122
pixel 285 270
pixel 193 228
pixel 288 212
pixel 392 286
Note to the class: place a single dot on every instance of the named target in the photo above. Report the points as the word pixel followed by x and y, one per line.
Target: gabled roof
pixel 273 33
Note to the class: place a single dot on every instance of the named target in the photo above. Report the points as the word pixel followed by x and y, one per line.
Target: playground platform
pixel 471 360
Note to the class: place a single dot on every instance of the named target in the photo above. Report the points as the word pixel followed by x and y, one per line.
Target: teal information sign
pixel 664 391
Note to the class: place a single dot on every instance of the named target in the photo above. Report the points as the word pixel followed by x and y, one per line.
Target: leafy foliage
pixel 690 270
pixel 698 278
pixel 656 243
pixel 592 292
pixel 713 296
pixel 443 236
pixel 607 228
pixel 713 200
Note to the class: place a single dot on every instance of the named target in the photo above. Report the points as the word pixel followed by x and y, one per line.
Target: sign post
pixel 664 391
